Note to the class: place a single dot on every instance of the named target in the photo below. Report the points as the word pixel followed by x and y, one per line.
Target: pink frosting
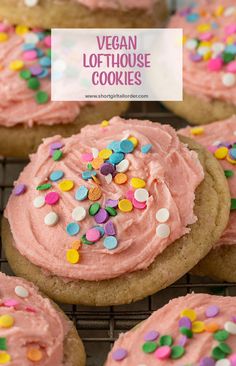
pixel 170 171
pixel 166 322
pixel 118 4
pixel 223 131
pixel 198 80
pixel 17 101
pixel 36 324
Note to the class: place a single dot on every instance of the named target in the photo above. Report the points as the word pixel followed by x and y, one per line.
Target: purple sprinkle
pixel 234 319
pixel 212 311
pixel 112 203
pixel 19 189
pixel 207 361
pixel 102 216
pixel 151 336
pixel 107 168
pixel 56 145
pixel 225 144
pixel 195 57
pixel 185 322
pixel 36 70
pixel 110 229
pixel 182 341
pixel 119 354
pixel 184 12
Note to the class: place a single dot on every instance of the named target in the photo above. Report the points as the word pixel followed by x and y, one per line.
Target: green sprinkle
pixel 221 335
pixel 228 57
pixel 149 347
pixel 166 340
pixel 187 332
pixel 41 97
pixel 25 74
pixel 111 211
pixel 49 52
pixel 217 353
pixel 33 83
pixel 225 348
pixel 44 187
pixel 229 173
pixel 233 204
pixel 94 208
pixel 57 155
pixel 3 344
pixel 177 352
pixel 89 166
pixel 85 241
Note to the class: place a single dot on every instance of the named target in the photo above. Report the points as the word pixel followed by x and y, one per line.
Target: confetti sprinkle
pixel 21 291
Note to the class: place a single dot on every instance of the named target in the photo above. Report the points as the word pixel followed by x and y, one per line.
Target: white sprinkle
pixel 218 47
pixel 141 195
pixel 21 291
pixel 223 362
pixel 108 178
pixel 31 38
pixel 203 50
pixel 31 3
pixel 228 79
pixel 216 143
pixel 230 11
pixel 163 231
pixel 163 215
pixel 123 166
pixel 95 152
pixel 79 213
pixel 39 202
pixel 191 44
pixel 51 219
pixel 230 327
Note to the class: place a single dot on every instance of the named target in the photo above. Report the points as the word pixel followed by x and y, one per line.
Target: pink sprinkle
pixel 212 148
pixel 163 352
pixel 139 205
pixel 231 67
pixel 129 194
pixel 30 309
pixel 93 235
pixel 215 64
pixel 230 29
pixel 47 41
pixel 232 359
pixel 30 55
pixel 10 303
pixel 3 27
pixel 87 157
pixel 52 198
pixel 206 36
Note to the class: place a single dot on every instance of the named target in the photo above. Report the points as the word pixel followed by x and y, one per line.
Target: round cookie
pixel 26 112
pixel 196 329
pixel 33 330
pixel 101 254
pixel 85 13
pixel 209 69
pixel 219 138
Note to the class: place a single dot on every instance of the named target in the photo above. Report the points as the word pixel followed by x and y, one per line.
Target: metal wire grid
pixel 99 327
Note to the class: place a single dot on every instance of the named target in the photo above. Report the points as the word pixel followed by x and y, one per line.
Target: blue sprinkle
pixel 43 74
pixel 41 35
pixel 88 174
pixel 45 61
pixel 115 146
pixel 29 46
pixel 214 25
pixel 40 52
pixel 56 175
pixel 72 228
pixel 231 49
pixel 81 193
pixel 110 242
pixel 116 158
pixel 126 146
pixel 146 148
pixel 100 228
pixel 232 153
pixel 192 18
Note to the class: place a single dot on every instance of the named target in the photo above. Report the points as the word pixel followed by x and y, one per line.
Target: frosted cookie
pixel 220 139
pixel 209 72
pixel 85 13
pixel 198 330
pixel 33 331
pixel 26 112
pixel 115 213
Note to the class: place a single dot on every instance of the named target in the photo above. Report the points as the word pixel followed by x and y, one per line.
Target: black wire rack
pixel 99 327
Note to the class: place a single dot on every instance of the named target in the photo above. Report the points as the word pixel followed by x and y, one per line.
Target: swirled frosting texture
pixel 166 322
pixel 36 324
pixel 197 78
pixel 170 170
pixel 17 100
pixel 212 134
pixel 118 4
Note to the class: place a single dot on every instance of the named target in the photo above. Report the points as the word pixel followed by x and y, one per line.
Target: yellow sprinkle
pixel 137 183
pixel 72 256
pixel 66 185
pixel 230 40
pixel 6 321
pixel 207 56
pixel 3 37
pixel 105 154
pixel 197 131
pixel 96 180
pixel 125 205
pixel 205 44
pixel 198 327
pixel 203 28
pixel 219 11
pixel 4 358
pixel 221 152
pixel 133 140
pixel 184 39
pixel 189 313
pixel 16 65
pixel 76 244
pixel 21 30
pixel 228 158
pixel 34 354
pixel 104 123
